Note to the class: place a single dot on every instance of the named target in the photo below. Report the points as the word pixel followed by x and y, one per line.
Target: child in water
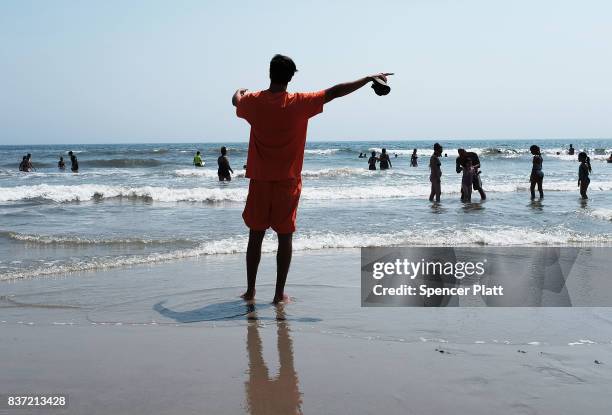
pixel 372 161
pixel 583 174
pixel 537 175
pixel 60 164
pixel 466 181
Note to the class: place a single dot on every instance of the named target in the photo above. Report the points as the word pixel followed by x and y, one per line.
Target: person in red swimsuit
pixel 279 121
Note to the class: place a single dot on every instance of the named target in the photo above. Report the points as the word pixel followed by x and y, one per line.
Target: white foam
pixel 321 152
pixel 84 192
pixel 78 240
pixel 605 214
pixel 201 172
pixel 502 236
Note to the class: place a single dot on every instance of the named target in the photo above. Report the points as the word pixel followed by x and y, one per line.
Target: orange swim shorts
pixel 272 204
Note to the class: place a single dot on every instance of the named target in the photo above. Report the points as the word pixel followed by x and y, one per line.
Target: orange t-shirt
pixel 279 122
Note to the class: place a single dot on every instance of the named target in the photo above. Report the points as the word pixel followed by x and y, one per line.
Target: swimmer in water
pixel 224 167
pixel 29 165
pixel 197 160
pixel 74 163
pixel 436 173
pixel 462 159
pixel 372 161
pixel 23 166
pixel 583 174
pixel 385 161
pixel 537 175
pixel 60 164
pixel 466 181
pixel 414 158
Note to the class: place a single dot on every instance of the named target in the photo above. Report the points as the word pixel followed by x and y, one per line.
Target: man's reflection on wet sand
pixel 279 394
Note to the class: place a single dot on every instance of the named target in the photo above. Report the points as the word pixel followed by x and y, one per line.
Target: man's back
pixel 279 122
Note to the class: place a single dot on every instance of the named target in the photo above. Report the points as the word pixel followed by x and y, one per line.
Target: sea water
pixel 145 203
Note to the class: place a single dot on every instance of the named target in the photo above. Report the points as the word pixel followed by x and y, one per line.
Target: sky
pixel 164 71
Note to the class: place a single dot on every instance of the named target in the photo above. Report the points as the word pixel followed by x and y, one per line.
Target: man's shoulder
pixel 306 95
pixel 253 95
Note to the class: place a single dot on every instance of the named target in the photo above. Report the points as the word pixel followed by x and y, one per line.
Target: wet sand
pixel 174 339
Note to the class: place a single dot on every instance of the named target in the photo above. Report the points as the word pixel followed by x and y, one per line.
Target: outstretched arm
pixel 346 88
pixel 238 95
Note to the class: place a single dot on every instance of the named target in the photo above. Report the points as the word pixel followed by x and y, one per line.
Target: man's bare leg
pixel 283 261
pixel 253 256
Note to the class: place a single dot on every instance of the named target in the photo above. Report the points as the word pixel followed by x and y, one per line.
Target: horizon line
pixel 307 141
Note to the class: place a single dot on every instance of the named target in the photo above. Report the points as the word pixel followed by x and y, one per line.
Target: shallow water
pixel 133 204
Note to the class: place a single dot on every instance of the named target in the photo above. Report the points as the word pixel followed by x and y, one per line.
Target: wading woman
pixel 436 173
pixel 537 175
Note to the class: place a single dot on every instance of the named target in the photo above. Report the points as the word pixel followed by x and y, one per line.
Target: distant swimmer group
pixel 468 164
pixel 383 160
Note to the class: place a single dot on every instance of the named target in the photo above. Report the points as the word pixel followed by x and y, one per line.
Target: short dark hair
pixel 223 151
pixel 282 69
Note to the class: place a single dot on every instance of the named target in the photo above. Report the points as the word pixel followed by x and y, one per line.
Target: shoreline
pixel 175 338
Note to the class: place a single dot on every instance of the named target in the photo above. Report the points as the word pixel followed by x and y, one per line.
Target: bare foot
pixel 248 296
pixel 285 299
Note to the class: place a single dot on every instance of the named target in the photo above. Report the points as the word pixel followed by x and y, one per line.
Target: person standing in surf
pixel 385 160
pixel 466 181
pixel 462 160
pixel 435 176
pixel 414 159
pixel 537 175
pixel 279 121
pixel 197 160
pixel 23 166
pixel 372 161
pixel 74 163
pixel 583 174
pixel 224 170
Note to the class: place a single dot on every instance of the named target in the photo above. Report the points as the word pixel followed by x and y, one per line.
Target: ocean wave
pixel 322 152
pixel 208 173
pixel 85 192
pixel 37 165
pixel 122 163
pixel 75 240
pixel 502 236
pixel 605 214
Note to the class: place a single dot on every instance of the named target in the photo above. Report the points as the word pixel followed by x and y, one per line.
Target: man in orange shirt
pixel 279 120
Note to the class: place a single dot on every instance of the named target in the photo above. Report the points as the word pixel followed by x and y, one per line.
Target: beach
pixel 175 338
pixel 120 285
